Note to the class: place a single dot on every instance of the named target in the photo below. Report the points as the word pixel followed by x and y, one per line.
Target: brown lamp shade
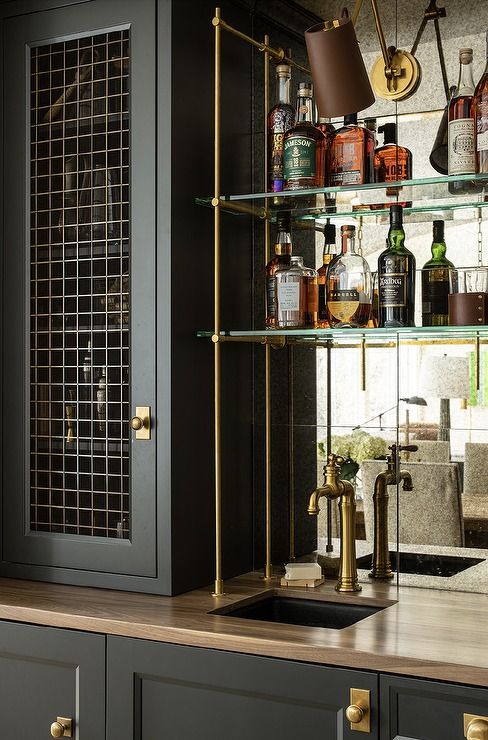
pixel 341 83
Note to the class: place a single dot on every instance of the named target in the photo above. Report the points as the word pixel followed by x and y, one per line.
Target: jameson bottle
pixel 328 254
pixel 281 259
pixel 435 281
pixel 351 156
pixel 480 109
pixel 281 117
pixel 460 146
pixel 304 146
pixel 396 277
pixel 348 286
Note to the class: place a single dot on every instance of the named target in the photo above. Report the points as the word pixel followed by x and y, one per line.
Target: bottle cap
pixel 329 233
pixel 305 89
pixel 370 123
pixel 283 70
pixel 348 229
pixel 396 215
pixel 438 230
pixel 351 118
pixel 283 221
pixel 465 56
pixel 389 131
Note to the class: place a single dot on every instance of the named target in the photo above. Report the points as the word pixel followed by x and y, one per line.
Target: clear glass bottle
pixel 349 288
pixel 435 281
pixel 480 110
pixel 461 151
pixel 280 260
pixel 396 277
pixel 352 152
pixel 281 117
pixel 328 254
pixel 304 146
pixel 291 293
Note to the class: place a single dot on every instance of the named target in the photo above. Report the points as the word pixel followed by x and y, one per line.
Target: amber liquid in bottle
pixel 348 286
pixel 461 152
pixel 351 157
pixel 281 259
pixel 480 110
pixel 392 163
pixel 328 131
pixel 328 255
pixel 281 118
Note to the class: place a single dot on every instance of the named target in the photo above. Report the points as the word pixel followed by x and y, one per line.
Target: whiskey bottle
pixel 391 161
pixel 348 285
pixel 328 131
pixel 281 117
pixel 461 152
pixel 281 259
pixel 435 281
pixel 102 401
pixel 328 253
pixel 352 151
pixel 396 277
pixel 480 108
pixel 291 295
pixel 304 146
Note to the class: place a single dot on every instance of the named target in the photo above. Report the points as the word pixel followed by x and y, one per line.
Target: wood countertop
pixel 427 633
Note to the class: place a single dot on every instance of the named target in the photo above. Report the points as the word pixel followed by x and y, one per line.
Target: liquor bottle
pixel 480 109
pixel 102 400
pixel 328 131
pixel 392 162
pixel 87 364
pixel 312 293
pixel 291 294
pixel 281 117
pixel 304 146
pixel 396 277
pixel 435 281
pixel 328 253
pixel 461 152
pixel 281 259
pixel 352 151
pixel 348 285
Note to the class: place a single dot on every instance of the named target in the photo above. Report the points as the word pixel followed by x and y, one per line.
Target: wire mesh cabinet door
pixel 79 255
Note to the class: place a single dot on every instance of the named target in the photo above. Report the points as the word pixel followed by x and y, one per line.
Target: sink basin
pixel 425 564
pixel 306 612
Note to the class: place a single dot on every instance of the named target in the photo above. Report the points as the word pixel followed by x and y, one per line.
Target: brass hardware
pixel 70 415
pixel 477 366
pixel 363 364
pixel 475 727
pixel 141 422
pixel 63 727
pixel 335 488
pixel 381 565
pixel 358 713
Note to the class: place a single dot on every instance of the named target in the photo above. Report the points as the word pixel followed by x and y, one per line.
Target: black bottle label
pixel 271 297
pixel 322 315
pixel 393 290
pixel 435 298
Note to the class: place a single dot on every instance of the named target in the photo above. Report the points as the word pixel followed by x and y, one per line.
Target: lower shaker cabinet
pixel 46 673
pixel 414 709
pixel 183 693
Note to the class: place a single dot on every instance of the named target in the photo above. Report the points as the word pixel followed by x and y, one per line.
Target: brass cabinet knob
pixel 354 714
pixel 136 423
pixel 62 727
pixel 477 729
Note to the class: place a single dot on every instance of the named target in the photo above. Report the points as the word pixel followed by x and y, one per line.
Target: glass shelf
pixel 371 202
pixel 417 333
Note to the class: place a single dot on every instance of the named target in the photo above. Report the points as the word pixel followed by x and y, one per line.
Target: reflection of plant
pixel 357 446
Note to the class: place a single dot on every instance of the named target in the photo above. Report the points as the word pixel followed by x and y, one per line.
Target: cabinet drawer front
pixel 184 693
pixel 47 673
pixel 414 709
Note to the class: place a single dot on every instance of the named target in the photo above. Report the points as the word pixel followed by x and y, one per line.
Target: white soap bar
pixel 301 571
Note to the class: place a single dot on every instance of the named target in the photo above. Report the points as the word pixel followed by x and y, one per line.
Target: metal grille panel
pixel 79 286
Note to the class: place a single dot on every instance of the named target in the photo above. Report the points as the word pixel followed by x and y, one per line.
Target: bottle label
pixel 299 158
pixel 351 177
pixel 393 290
pixel 271 297
pixel 462 157
pixel 343 304
pixel 322 307
pixel 435 298
pixel 482 141
pixel 289 296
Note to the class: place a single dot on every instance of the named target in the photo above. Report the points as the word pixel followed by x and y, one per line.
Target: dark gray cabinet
pixel 47 673
pixel 183 693
pixel 414 709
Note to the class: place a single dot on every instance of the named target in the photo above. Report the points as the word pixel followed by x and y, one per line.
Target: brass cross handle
pixel 475 727
pixel 62 727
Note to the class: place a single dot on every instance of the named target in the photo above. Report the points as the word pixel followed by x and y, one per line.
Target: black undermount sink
pixel 306 612
pixel 425 564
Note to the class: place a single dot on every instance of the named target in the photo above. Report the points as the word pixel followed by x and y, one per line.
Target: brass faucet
pixel 381 565
pixel 335 488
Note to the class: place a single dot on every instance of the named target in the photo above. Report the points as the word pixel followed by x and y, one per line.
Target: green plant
pixel 354 448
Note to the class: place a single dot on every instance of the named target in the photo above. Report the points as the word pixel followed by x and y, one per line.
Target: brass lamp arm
pixel 379 30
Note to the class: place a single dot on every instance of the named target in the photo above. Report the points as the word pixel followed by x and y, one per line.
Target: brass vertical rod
pixel 329 546
pixel 363 364
pixel 219 584
pixel 268 567
pixel 477 369
pixel 355 12
pixel 291 453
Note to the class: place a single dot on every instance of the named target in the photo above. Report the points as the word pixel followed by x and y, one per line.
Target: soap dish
pixel 301 582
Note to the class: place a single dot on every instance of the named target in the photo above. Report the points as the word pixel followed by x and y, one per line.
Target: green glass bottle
pixel 435 281
pixel 396 277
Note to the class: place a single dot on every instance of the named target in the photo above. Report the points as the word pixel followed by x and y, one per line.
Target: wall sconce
pixel 341 83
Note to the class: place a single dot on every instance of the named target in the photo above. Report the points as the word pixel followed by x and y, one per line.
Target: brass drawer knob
pixel 62 727
pixel 475 728
pixel 136 423
pixel 354 714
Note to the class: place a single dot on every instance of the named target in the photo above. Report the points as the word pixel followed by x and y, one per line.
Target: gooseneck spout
pixel 335 488
pixel 381 565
